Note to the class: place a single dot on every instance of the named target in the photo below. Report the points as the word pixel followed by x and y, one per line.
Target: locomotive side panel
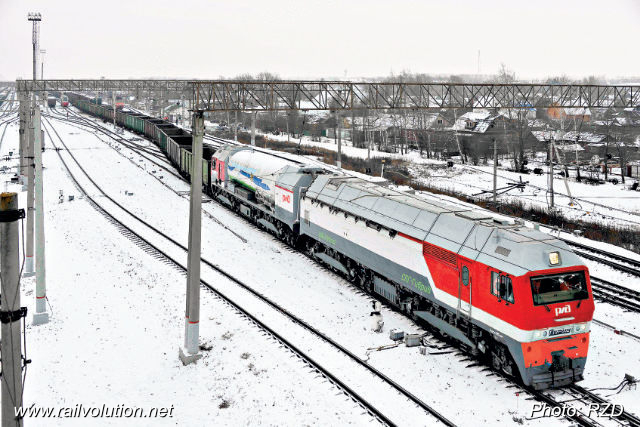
pixel 397 258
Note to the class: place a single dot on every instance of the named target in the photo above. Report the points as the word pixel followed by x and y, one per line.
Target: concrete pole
pixel 23 133
pixel 29 266
pixel 11 339
pixel 113 104
pixel 253 128
pixel 495 171
pixel 235 129
pixel 550 156
pixel 189 353
pixel 339 132
pixel 41 315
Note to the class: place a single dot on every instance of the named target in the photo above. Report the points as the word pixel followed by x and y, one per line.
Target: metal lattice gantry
pixel 283 95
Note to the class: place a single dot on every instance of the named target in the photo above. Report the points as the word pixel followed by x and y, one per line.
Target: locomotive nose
pixel 555 362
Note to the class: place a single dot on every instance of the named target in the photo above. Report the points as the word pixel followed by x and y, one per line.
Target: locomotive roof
pixel 473 233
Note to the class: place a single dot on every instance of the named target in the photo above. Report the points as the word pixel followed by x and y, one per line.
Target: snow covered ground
pixel 118 321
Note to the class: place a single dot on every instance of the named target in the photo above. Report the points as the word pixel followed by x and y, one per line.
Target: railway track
pixel 80 120
pixel 615 294
pixel 622 263
pixel 157 158
pixel 152 239
pixel 578 405
pixel 580 418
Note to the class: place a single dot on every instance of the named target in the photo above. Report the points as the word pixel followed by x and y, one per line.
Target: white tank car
pixel 257 172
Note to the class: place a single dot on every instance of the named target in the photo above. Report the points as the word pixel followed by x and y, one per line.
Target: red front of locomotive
pixel 549 314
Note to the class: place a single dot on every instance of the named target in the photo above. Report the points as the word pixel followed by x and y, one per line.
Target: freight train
pixel 511 295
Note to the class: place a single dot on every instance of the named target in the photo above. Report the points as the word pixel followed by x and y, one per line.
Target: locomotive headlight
pixel 540 334
pixel 580 327
pixel 554 258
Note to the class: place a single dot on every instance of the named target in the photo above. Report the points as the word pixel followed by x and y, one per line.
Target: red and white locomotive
pixel 518 297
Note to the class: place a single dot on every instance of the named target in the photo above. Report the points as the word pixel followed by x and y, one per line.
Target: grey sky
pixel 311 39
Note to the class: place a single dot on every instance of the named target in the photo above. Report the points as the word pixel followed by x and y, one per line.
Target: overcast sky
pixel 313 39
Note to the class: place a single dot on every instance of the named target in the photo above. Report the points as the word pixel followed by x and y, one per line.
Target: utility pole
pixel 339 132
pixel 35 18
pixel 23 134
pixel 29 267
pixel 189 353
pixel 550 156
pixel 455 132
pixel 253 128
pixel 42 52
pixel 495 172
pixel 11 313
pixel 235 128
pixel 45 95
pixel 288 135
pixel 113 103
pixel 41 315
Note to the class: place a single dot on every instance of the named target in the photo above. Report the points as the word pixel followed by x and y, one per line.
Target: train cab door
pixel 465 281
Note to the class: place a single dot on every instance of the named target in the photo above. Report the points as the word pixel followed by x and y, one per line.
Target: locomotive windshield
pixel 559 288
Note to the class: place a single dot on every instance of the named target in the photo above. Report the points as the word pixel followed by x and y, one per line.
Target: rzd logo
pixel 563 310
pixel 286 198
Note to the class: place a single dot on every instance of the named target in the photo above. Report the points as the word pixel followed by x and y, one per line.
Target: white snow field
pixel 118 320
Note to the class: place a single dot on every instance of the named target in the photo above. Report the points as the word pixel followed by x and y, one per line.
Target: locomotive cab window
pixel 502 287
pixel 555 288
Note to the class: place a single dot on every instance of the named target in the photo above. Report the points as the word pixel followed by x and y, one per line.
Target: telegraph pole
pixel 235 129
pixel 41 315
pixel 23 134
pixel 253 128
pixel 43 100
pixel 550 155
pixel 339 132
pixel 113 103
pixel 29 268
pixel 495 171
pixel 35 18
pixel 10 312
pixel 190 352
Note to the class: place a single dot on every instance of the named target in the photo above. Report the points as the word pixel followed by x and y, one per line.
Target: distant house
pixel 562 113
pixel 478 122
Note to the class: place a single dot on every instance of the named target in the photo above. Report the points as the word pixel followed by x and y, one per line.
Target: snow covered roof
pixel 570 147
pixel 475 122
pixel 475 115
pixel 577 111
pixel 547 135
pixel 583 137
pixel 537 123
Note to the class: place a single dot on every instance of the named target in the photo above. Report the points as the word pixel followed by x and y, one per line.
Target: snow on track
pixel 116 326
pixel 310 292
